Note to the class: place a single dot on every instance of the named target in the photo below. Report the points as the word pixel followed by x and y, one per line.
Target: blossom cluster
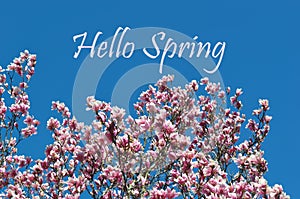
pixel 179 145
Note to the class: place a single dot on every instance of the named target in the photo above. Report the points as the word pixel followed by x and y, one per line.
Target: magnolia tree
pixel 177 146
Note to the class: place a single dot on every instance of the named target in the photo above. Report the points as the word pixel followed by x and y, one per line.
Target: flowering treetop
pixel 178 146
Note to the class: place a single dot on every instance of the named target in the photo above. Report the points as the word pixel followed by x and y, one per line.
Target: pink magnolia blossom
pixel 178 146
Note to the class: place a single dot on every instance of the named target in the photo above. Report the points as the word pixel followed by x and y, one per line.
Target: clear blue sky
pixel 261 56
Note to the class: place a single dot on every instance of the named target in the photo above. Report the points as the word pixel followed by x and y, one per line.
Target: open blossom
pixel 96 106
pixel 267 118
pixel 162 83
pixel 151 108
pixel 264 103
pixel 204 81
pixel 143 123
pixel 238 91
pixel 257 112
pixel 52 124
pixel 118 115
pixel 168 193
pixel 29 131
pixel 252 125
pixel 192 86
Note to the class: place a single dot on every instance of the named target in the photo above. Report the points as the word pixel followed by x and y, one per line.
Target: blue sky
pixel 261 56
